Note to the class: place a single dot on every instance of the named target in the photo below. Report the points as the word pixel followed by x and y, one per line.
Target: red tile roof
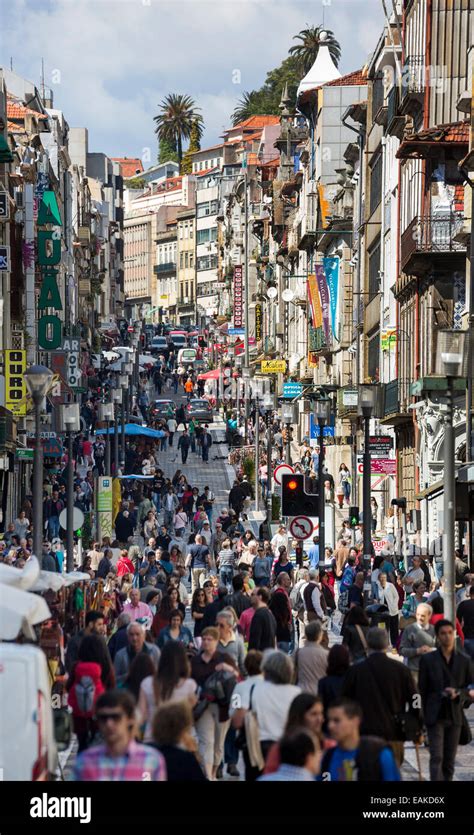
pixel 204 150
pixel 129 166
pixel 272 163
pixel 417 143
pixel 257 122
pixel 355 78
pixel 256 135
pixel 16 110
pixel 13 128
pixel 204 171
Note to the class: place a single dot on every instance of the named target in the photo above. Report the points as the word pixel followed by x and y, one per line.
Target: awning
pixel 20 611
pixel 431 492
pixel 133 429
pixel 213 375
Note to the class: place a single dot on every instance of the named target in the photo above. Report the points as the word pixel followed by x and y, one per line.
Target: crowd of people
pixel 223 645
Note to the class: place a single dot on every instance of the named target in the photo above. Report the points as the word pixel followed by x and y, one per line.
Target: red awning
pixel 212 375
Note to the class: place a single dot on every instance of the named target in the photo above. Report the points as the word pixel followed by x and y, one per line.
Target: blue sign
pixel 328 431
pixel 292 389
pixel 236 331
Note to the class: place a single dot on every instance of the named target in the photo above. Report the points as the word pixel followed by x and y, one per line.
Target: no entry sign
pixel 301 527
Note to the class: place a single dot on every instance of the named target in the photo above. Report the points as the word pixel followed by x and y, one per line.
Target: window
pixel 186 259
pixel 200 166
pixel 210 207
pixel 191 259
pixel 373 357
pixel 186 230
pixel 191 230
pixel 181 260
pixel 374 270
pixel 207 262
pixel 206 235
pixel 375 182
pixel 181 233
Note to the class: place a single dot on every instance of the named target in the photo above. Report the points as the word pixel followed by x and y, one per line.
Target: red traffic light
pixel 292 485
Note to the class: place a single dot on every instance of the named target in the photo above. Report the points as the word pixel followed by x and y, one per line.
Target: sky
pixel 110 62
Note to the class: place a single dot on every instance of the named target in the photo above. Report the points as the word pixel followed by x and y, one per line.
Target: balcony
pixel 413 82
pixel 165 269
pixel 393 412
pixel 395 122
pixel 430 235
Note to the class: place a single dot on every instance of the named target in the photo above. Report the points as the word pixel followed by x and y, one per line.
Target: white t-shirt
pixel 171 424
pixel 241 694
pixel 271 702
pixel 186 688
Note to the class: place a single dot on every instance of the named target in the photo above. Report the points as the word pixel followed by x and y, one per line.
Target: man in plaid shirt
pixel 120 758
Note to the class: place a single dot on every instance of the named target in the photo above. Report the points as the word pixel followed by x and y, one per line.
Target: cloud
pixel 118 58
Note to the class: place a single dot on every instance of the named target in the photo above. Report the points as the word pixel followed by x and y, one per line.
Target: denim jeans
pixel 53 527
pixel 469 647
pixel 284 646
pixel 157 501
pixel 226 574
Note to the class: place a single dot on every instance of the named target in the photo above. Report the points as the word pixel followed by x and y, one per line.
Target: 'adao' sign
pixel 49 259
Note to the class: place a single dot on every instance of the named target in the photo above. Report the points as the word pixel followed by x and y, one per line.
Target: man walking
pixel 206 443
pixel 183 444
pixel 198 560
pixel 444 679
pixel 170 503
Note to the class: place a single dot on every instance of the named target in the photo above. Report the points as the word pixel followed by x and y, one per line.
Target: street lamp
pixel 123 382
pixel 70 423
pixel 258 387
pixel 451 362
pixel 117 397
pixel 366 407
pixel 38 379
pixel 288 416
pixel 322 413
pixel 268 407
pixel 106 415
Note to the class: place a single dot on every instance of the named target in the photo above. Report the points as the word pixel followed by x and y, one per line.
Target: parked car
pixel 29 730
pixel 178 340
pixel 159 409
pixel 200 409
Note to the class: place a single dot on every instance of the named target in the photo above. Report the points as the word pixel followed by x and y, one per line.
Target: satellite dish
pixel 272 292
pixel 288 295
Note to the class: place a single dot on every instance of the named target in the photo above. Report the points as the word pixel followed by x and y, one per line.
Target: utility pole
pixel 257 452
pixel 246 300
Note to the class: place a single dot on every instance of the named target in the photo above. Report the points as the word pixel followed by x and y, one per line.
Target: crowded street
pixel 237 412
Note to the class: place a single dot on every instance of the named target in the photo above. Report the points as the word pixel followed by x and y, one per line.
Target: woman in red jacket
pixel 124 564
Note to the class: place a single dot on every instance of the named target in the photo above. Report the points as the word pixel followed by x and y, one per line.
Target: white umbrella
pixel 49 580
pixel 21 578
pixel 76 577
pixel 20 611
pixel 110 355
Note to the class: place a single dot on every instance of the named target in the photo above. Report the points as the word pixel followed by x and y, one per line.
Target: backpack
pixel 86 689
pixel 296 599
pixel 367 760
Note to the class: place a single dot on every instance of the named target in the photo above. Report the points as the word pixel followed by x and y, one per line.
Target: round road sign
pixel 282 469
pixel 77 519
pixel 301 527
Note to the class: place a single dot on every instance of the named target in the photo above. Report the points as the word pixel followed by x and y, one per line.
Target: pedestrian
pixel 465 615
pixel 306 711
pixel 91 675
pixel 198 560
pixel 120 757
pixel 170 682
pixel 175 631
pixel 171 424
pixel 226 563
pixel 355 757
pixel 184 444
pixel 345 483
pixel 313 553
pixel 206 443
pixel 330 686
pixel 445 677
pixel 263 626
pixel 418 639
pixel 238 600
pixel 138 610
pixel 385 690
pixel 387 595
pixel 135 645
pixel 173 738
pixel 170 505
pixel 311 660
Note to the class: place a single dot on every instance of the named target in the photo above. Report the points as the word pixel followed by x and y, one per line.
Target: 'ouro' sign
pixel 49 260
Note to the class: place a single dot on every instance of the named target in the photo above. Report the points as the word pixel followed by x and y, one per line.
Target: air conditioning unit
pixel 19 198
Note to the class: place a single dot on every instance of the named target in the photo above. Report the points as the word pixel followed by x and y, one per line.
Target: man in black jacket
pixel 384 689
pixel 444 679
pixel 105 565
pixel 183 444
pixel 236 498
pixel 263 626
pixel 238 599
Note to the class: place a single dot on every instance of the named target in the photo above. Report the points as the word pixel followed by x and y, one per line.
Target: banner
pixel 324 296
pixel 104 507
pixel 15 386
pixel 258 322
pixel 315 303
pixel 238 297
pixel 331 269
pixel 388 339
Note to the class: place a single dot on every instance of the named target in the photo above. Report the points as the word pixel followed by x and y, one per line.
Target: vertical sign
pixel 49 260
pixel 324 296
pixel 331 269
pixel 104 506
pixel 74 373
pixel 238 297
pixel 258 322
pixel 4 206
pixel 15 387
pixel 315 303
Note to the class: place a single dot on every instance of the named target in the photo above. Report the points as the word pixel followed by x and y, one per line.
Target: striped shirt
pixel 140 762
pixel 226 557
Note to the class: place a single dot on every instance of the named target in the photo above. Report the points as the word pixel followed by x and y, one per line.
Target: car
pixel 159 409
pixel 200 409
pixel 159 345
pixel 178 340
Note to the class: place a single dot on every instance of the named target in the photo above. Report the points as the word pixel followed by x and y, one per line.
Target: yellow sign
pixel 15 387
pixel 273 367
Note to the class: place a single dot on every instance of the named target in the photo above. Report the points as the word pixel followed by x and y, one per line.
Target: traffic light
pixel 295 501
pixel 353 516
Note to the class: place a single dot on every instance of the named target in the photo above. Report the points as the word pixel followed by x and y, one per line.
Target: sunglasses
pixel 102 718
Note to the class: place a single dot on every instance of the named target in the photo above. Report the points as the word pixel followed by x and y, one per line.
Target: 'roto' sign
pixel 49 259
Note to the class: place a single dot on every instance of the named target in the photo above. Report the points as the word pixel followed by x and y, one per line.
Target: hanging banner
pixel 258 322
pixel 324 296
pixel 388 339
pixel 238 297
pixel 104 506
pixel 48 246
pixel 331 269
pixel 15 387
pixel 314 301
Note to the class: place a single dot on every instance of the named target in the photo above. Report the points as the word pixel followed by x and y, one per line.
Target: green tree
pixel 167 151
pixel 194 145
pixel 175 120
pixel 267 99
pixel 306 52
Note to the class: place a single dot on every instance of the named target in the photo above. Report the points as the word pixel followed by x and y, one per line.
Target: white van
pixel 186 356
pixel 28 749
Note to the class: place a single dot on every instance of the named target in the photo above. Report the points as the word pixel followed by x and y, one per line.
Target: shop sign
pixel 238 297
pixel 48 244
pixel 258 322
pixel 4 206
pixel 4 258
pixel 273 367
pixel 15 387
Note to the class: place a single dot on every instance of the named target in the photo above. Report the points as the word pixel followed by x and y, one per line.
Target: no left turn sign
pixel 301 527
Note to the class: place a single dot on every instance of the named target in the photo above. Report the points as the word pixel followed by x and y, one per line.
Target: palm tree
pixel 306 52
pixel 248 105
pixel 176 119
